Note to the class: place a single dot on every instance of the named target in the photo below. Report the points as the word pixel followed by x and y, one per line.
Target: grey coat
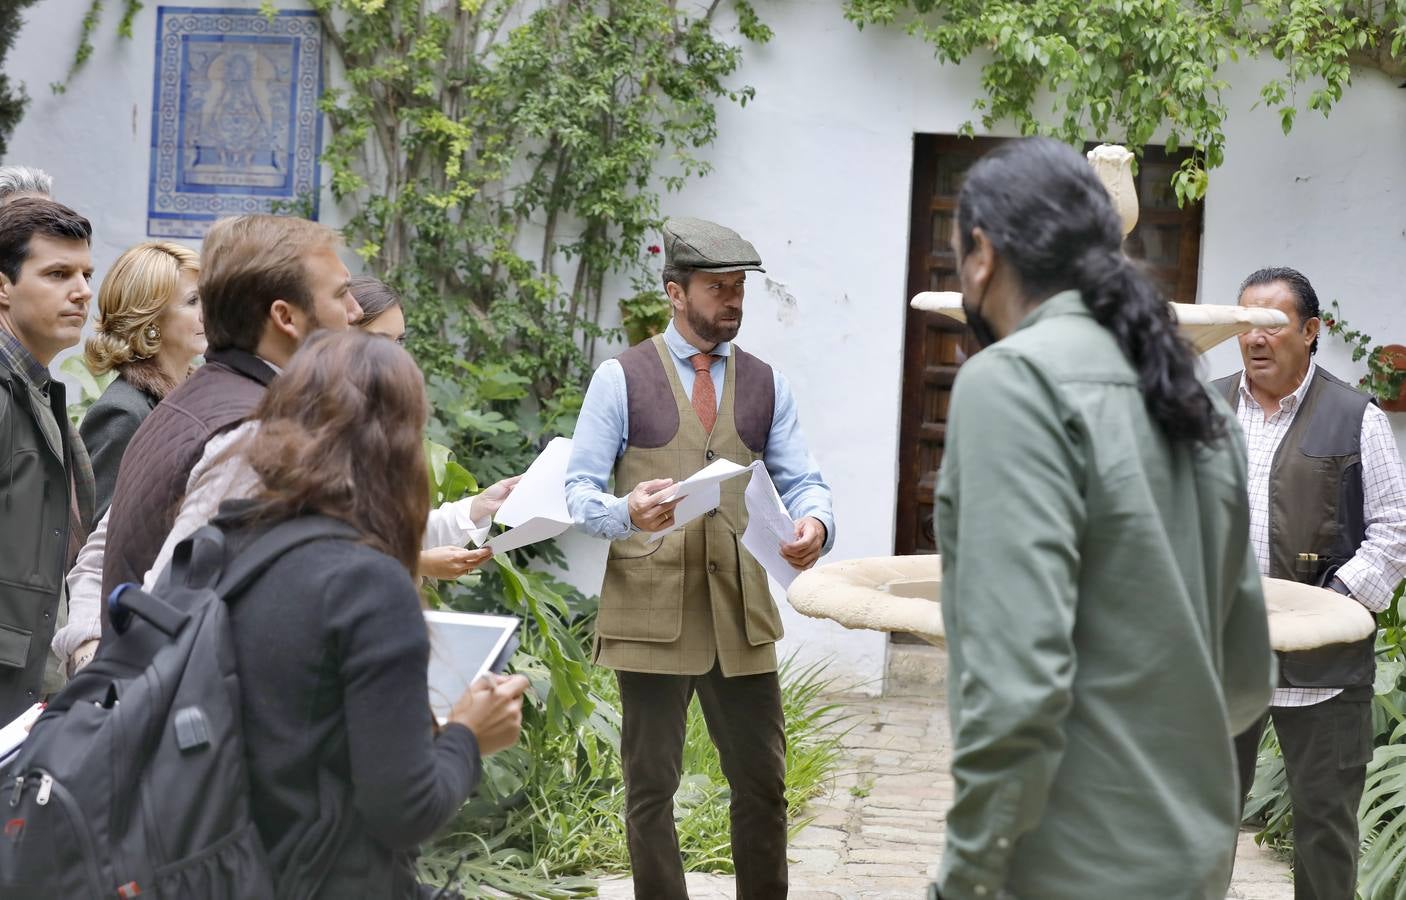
pixel 108 427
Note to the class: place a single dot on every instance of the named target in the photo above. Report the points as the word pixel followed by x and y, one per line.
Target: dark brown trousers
pixel 1326 747
pixel 745 722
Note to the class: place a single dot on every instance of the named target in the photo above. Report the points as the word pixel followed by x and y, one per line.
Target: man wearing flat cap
pixel 692 613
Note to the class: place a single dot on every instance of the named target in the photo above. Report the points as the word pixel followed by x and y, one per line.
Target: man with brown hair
pixel 45 267
pixel 692 612
pixel 267 283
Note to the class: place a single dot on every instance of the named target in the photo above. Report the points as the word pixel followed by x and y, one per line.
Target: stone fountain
pixel 902 593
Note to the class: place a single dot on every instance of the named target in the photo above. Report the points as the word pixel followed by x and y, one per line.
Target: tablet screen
pixel 463 647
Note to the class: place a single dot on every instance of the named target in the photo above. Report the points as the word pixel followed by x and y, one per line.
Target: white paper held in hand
pixel 701 492
pixel 13 734
pixel 768 527
pixel 768 524
pixel 536 509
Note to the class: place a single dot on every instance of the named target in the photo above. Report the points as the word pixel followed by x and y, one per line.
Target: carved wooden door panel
pixel 934 346
pixel 1167 239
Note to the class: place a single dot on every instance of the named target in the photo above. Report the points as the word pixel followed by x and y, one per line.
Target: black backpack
pixel 133 782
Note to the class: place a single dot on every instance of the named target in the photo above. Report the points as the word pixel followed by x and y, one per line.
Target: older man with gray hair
pixel 24 181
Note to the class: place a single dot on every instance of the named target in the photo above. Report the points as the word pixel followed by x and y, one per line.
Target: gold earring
pixel 152 333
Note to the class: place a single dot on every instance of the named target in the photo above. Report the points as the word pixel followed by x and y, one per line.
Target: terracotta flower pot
pixel 1396 355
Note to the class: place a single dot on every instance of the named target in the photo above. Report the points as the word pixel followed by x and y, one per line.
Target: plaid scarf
pixel 82 494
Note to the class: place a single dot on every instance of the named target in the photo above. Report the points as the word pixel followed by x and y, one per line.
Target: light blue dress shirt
pixel 603 428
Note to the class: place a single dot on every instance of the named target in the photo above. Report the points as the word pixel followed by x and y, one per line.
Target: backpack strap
pixel 198 562
pixel 251 562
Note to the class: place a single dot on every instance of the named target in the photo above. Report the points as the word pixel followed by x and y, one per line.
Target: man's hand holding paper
pixel 651 505
pixel 804 550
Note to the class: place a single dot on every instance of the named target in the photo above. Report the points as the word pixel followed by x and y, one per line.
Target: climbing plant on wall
pixel 1124 69
pixel 12 96
pixel 502 161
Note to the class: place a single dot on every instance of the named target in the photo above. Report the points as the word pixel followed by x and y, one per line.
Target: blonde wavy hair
pixel 133 296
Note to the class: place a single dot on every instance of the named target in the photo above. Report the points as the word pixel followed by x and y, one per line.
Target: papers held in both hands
pixel 768 523
pixel 536 509
pixel 463 648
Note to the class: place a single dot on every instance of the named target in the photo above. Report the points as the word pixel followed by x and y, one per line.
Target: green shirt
pixel 1105 625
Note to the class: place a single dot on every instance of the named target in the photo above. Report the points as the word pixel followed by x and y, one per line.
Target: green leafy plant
pixel 91 19
pixel 1127 70
pixel 500 160
pixel 13 98
pixel 1386 373
pixel 644 315
pixel 90 386
pixel 561 819
pixel 1382 825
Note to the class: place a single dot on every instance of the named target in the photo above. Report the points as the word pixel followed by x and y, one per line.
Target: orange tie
pixel 705 399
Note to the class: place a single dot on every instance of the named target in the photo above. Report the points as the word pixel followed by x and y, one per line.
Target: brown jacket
pixel 156 467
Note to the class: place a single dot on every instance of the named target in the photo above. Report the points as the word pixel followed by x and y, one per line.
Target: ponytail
pixel 1125 302
pixel 1051 220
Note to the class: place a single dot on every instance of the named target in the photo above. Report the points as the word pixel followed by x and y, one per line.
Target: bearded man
pixel 692 612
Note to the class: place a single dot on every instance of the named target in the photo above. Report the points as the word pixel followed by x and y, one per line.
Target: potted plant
pixel 1386 365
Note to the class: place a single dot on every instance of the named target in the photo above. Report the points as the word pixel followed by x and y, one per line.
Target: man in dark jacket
pixel 267 283
pixel 47 481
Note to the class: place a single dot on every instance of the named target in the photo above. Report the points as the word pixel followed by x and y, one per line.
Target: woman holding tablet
pixel 348 772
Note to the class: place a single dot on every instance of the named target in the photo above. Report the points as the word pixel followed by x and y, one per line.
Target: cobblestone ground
pixel 878 833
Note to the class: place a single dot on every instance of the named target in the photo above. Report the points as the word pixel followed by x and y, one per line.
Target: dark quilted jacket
pixel 156 467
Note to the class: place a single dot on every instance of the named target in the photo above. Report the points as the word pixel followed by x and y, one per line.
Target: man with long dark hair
pixel 1327 507
pixel 1105 624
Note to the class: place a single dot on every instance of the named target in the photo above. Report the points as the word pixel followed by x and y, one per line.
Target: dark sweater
pixel 347 776
pixel 107 429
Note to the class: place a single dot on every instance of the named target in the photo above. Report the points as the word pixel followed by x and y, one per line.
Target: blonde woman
pixel 150 331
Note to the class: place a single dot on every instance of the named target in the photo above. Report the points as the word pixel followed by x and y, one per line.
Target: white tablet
pixel 463 648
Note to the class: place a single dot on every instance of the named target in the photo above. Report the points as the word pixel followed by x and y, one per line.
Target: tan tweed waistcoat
pixel 676 605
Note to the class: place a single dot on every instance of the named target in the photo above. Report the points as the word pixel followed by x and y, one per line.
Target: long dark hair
pixel 340 435
pixel 1050 218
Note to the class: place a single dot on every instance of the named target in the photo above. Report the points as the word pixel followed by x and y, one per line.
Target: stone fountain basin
pixel 902 593
pixel 887 593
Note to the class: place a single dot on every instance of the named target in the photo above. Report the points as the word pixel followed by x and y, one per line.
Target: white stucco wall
pixel 816 171
pixel 1328 200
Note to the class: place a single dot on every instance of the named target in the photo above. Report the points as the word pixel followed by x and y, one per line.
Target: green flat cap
pixel 698 244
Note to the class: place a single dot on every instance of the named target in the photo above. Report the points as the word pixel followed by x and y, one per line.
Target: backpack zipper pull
pixel 46 784
pixel 19 790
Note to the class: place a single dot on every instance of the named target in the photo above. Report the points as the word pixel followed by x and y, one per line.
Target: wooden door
pixel 934 346
pixel 1167 239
